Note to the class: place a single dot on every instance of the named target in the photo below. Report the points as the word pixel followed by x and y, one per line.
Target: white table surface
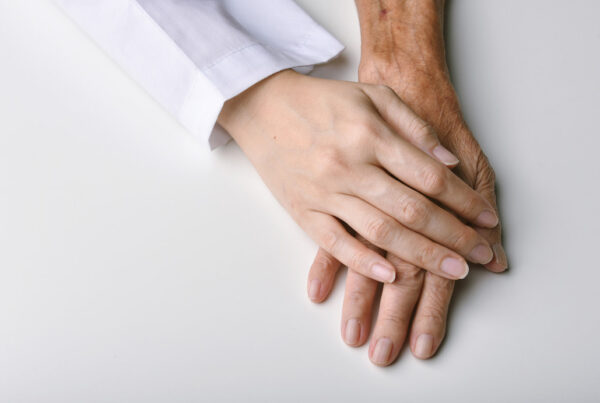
pixel 135 267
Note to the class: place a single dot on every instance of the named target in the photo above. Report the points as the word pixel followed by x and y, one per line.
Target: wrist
pixel 239 112
pixel 403 32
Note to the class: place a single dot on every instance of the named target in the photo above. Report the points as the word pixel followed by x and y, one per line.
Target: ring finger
pixel 398 301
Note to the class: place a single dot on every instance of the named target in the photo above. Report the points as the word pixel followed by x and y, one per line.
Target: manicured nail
pixel 455 267
pixel 382 351
pixel 352 333
pixel 500 255
pixel 424 346
pixel 445 156
pixel 487 218
pixel 481 254
pixel 314 290
pixel 383 273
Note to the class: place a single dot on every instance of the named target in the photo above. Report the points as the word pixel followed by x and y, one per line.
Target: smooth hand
pixel 331 151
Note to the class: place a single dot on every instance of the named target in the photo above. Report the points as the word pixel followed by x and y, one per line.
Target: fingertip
pixel 455 268
pixel 380 353
pixel 352 333
pixel 383 273
pixel 429 323
pixel 495 267
pixel 500 255
pixel 423 347
pixel 443 155
pixel 314 290
pixel 321 276
pixel 487 219
pixel 499 263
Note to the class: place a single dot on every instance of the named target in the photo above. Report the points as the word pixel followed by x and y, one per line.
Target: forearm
pixel 403 48
pixel 408 31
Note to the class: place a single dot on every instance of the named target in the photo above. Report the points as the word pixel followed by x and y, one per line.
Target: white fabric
pixel 193 55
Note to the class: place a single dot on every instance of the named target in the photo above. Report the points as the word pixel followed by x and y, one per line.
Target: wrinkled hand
pixel 331 150
pixel 426 89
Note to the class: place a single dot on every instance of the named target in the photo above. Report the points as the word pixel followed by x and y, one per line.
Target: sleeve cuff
pixel 250 65
pixel 194 95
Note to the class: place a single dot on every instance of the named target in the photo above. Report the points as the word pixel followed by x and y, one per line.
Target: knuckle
pixel 424 255
pixel 433 179
pixel 330 241
pixel 421 130
pixel 358 297
pixel 324 261
pixel 395 317
pixel 463 238
pixel 385 89
pixel 331 163
pixel 435 312
pixel 365 130
pixel 409 277
pixel 413 212
pixel 358 260
pixel 441 289
pixel 380 230
pixel 332 158
pixel 472 204
pixel 378 189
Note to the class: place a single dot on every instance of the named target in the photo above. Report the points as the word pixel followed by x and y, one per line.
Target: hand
pixel 415 293
pixel 413 64
pixel 327 150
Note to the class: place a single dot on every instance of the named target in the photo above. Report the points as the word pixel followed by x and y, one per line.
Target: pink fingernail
pixel 352 333
pixel 487 218
pixel 314 290
pixel 481 254
pixel 382 351
pixel 455 267
pixel 424 346
pixel 383 273
pixel 445 156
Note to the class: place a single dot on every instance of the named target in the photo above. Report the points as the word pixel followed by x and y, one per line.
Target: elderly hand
pixel 409 57
pixel 331 151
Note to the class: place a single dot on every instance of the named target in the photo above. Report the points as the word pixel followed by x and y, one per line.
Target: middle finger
pixel 420 214
pixel 398 301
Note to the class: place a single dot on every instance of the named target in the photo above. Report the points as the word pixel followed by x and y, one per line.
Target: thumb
pixel 485 184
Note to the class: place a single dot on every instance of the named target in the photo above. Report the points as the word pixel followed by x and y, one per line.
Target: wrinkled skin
pixel 409 58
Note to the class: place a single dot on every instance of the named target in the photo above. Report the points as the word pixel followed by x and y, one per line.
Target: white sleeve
pixel 193 55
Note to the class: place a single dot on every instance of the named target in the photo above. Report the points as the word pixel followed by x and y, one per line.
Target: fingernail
pixel 424 346
pixel 352 333
pixel 314 289
pixel 481 254
pixel 445 156
pixel 383 273
pixel 382 350
pixel 455 267
pixel 487 218
pixel 500 255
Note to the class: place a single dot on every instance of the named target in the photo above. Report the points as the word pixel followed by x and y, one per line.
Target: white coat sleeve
pixel 193 55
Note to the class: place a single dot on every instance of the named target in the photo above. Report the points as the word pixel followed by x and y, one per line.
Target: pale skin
pixel 403 48
pixel 327 150
pixel 348 159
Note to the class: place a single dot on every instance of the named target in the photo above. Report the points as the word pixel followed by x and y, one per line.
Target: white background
pixel 135 267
